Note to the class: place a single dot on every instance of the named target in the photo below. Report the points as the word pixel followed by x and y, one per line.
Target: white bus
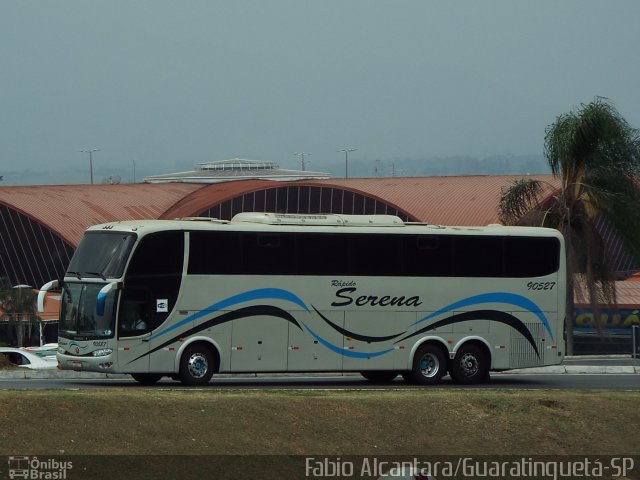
pixel 267 292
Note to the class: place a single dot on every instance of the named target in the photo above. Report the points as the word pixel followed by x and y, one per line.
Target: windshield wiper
pixel 74 273
pixel 99 274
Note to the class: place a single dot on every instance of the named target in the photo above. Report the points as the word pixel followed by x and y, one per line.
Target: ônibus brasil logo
pixel 33 468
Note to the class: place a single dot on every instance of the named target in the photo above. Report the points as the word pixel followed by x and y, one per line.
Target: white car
pixel 47 351
pixel 25 359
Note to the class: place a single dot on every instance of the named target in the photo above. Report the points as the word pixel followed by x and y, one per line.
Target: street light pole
pixel 301 155
pixel 90 152
pixel 346 160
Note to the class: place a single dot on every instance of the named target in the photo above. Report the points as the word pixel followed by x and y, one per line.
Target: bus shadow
pixel 338 383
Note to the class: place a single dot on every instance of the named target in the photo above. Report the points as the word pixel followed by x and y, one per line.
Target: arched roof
pixel 213 194
pixel 461 200
pixel 67 210
pixel 40 226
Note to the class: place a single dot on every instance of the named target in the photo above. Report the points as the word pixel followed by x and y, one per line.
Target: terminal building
pixel 40 226
pixel 235 169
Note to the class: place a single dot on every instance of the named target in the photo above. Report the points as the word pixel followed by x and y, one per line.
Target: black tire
pixel 379 376
pixel 197 365
pixel 147 378
pixel 429 365
pixel 470 365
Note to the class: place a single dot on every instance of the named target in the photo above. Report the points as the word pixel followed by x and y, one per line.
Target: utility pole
pixel 346 159
pixel 302 155
pixel 90 152
pixel 376 169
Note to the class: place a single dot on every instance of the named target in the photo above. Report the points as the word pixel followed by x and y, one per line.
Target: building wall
pixel 301 200
pixel 30 254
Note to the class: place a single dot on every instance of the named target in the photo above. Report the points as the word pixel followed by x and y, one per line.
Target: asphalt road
pixel 348 382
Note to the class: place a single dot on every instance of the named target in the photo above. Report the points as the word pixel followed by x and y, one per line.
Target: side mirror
pixel 52 285
pixel 102 296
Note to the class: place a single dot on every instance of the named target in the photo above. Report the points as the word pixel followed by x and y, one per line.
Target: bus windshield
pixel 101 254
pixel 79 318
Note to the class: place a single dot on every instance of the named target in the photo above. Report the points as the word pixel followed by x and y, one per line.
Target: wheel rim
pixel 429 365
pixel 198 365
pixel 469 364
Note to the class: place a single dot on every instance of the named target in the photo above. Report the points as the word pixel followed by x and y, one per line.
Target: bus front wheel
pixel 197 365
pixel 429 365
pixel 470 365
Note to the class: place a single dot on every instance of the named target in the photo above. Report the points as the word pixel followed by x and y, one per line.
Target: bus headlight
pixel 103 352
pixel 61 350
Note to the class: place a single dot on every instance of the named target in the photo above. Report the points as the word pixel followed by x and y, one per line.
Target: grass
pixel 139 421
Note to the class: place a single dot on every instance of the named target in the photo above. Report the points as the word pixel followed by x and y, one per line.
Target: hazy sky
pixel 170 84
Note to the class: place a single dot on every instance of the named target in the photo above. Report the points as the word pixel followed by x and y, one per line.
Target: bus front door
pixel 133 354
pixel 134 331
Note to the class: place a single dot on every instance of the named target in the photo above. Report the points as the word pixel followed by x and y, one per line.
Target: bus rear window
pixel 531 256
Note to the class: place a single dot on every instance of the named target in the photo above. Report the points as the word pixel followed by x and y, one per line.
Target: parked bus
pixel 268 292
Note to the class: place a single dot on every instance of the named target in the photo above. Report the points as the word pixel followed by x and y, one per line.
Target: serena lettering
pixel 347 296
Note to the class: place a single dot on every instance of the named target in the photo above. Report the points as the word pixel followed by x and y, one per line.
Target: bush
pixel 4 362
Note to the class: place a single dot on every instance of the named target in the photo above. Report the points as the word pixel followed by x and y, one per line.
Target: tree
pixel 595 154
pixel 18 307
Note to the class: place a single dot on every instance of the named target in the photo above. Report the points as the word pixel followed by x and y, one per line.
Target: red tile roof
pixel 463 200
pixel 68 210
pixel 216 193
pixel 627 295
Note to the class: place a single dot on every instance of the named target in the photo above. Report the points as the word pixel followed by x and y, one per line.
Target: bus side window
pixel 532 256
pixel 322 254
pixel 154 273
pixel 215 253
pixel 375 255
pixel 478 256
pixel 268 253
pixel 428 256
pixel 134 314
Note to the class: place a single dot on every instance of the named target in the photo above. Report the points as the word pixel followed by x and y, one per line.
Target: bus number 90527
pixel 541 285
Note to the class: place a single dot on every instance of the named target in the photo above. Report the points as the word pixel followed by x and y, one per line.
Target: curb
pixel 577 370
pixel 27 374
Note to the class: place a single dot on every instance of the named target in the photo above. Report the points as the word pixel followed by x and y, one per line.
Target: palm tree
pixel 595 154
pixel 18 307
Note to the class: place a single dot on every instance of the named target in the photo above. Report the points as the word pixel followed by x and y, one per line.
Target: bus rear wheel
pixel 197 365
pixel 470 365
pixel 429 365
pixel 147 378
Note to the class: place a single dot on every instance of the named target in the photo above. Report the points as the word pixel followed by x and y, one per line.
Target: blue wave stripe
pixel 258 294
pixel 342 351
pixel 497 297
